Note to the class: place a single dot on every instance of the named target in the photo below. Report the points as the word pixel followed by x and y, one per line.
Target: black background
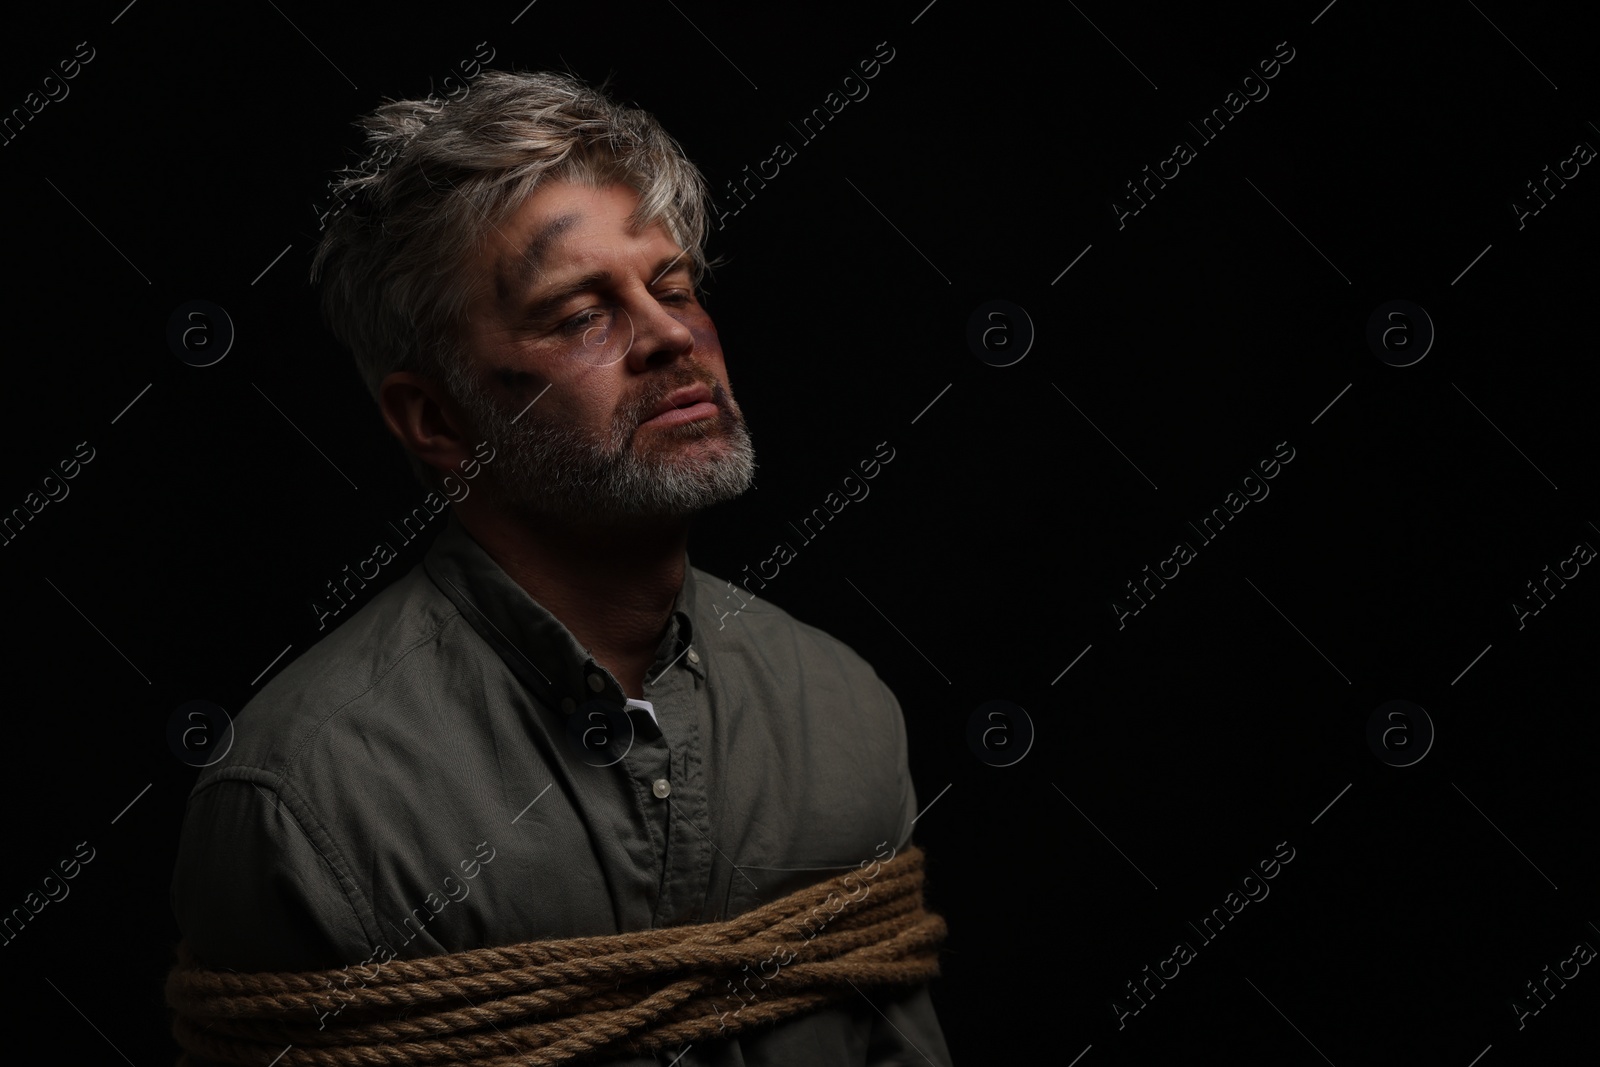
pixel 1177 352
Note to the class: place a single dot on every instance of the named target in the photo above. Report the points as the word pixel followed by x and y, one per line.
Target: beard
pixel 545 467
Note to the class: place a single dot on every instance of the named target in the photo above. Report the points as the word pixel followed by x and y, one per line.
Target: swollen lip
pixel 704 409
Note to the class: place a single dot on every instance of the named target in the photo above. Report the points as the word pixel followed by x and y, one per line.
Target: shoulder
pixel 343 766
pixel 345 683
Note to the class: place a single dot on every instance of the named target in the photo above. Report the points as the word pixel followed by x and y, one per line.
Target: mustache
pixel 521 424
pixel 641 411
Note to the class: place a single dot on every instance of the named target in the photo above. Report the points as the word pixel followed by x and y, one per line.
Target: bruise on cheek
pixel 706 341
pixel 706 345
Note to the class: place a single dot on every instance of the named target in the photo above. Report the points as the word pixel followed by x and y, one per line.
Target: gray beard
pixel 547 469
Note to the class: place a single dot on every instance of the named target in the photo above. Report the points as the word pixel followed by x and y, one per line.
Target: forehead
pixel 565 226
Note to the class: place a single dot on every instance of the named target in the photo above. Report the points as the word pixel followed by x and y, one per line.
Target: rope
pixel 576 1000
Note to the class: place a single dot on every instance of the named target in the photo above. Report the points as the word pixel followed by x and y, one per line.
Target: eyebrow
pixel 668 266
pixel 548 302
pixel 514 274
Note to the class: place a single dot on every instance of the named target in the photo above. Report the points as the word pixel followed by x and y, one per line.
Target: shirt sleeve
pixel 905 1030
pixel 253 890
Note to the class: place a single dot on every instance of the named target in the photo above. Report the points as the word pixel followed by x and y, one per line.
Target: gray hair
pixel 441 174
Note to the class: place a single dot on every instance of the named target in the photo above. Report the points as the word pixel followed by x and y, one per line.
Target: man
pixel 552 728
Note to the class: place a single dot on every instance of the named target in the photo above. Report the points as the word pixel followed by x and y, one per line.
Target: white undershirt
pixel 646 705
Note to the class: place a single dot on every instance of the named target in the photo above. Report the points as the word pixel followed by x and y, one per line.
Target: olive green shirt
pixel 449 769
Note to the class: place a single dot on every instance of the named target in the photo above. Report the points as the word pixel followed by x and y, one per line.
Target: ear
pixel 425 420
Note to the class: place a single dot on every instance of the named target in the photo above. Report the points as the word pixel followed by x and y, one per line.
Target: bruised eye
pixel 586 320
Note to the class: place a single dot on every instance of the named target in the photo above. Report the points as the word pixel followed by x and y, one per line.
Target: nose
pixel 659 336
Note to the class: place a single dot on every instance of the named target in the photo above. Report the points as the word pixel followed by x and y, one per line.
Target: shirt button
pixel 694 657
pixel 596 682
pixel 661 788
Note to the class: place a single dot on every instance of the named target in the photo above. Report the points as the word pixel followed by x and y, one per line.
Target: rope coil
pixel 544 1003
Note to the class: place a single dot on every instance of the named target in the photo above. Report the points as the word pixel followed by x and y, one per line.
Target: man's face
pixel 583 332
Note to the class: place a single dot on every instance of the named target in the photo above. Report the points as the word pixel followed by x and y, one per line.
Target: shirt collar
pixel 534 644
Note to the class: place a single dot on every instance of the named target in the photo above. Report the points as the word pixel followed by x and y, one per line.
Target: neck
pixel 612 585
